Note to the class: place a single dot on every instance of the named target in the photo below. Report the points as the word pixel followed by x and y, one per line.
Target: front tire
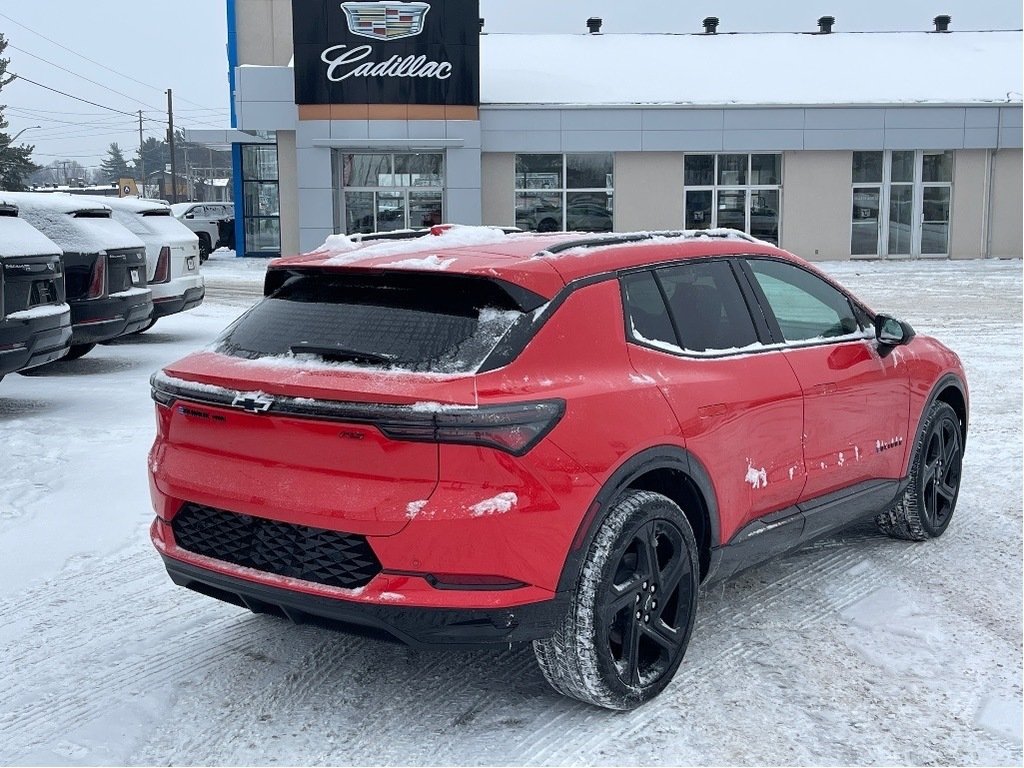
pixel 925 509
pixel 633 608
pixel 205 247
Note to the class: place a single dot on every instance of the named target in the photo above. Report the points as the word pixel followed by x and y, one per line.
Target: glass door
pixel 936 194
pixel 901 204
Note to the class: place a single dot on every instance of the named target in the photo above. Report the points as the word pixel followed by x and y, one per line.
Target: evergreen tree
pixel 15 162
pixel 114 167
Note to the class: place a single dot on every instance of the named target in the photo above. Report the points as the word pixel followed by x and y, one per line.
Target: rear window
pixel 422 323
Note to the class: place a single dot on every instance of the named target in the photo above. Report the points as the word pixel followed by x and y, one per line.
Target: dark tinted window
pixel 425 323
pixel 805 306
pixel 708 306
pixel 647 317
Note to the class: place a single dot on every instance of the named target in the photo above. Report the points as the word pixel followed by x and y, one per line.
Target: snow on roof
pixel 19 238
pixel 53 214
pixel 135 205
pixel 769 68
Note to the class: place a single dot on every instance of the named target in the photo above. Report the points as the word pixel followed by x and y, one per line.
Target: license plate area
pixel 43 292
pixel 137 276
pixel 190 263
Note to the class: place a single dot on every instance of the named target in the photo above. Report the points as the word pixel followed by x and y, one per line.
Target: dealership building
pixel 362 116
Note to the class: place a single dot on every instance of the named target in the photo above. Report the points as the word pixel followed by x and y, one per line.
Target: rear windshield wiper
pixel 341 353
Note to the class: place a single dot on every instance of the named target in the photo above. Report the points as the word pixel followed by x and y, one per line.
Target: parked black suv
pixel 104 266
pixel 35 321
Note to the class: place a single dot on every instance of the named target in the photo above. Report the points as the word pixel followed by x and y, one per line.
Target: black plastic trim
pixel 417 627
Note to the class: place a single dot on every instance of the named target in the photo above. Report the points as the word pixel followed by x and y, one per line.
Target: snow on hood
pixel 343 250
pixel 53 214
pixel 19 238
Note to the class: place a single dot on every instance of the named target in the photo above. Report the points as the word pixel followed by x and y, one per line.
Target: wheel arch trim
pixel 671 457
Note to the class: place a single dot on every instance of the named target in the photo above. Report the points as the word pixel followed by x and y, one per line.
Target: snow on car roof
pixel 769 68
pixel 542 263
pixel 54 215
pixel 19 238
pixel 134 204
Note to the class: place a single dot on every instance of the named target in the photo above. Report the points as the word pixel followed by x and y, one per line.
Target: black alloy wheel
pixel 632 610
pixel 940 473
pixel 640 611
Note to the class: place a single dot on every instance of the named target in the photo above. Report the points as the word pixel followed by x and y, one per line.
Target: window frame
pixel 341 191
pixel 747 188
pixel 857 309
pixel 564 190
pixel 761 327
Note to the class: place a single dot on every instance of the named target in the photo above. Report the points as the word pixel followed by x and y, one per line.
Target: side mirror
pixel 190 215
pixel 892 332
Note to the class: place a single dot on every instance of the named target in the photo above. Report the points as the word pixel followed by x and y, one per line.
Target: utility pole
pixel 170 142
pixel 142 161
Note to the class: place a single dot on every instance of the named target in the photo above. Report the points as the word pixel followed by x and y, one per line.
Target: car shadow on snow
pixel 84 366
pixel 152 337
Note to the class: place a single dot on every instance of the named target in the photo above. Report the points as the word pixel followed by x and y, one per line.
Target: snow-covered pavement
pixel 857 649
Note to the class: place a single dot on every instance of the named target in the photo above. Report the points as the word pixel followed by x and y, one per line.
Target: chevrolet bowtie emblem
pixel 254 402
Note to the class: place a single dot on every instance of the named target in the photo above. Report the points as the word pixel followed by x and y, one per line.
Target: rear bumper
pixel 417 626
pixel 30 343
pixel 172 305
pixel 99 320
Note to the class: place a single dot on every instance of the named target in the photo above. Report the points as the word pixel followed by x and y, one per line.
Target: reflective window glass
pixel 732 170
pixel 805 306
pixel 708 307
pixel 259 161
pixel 935 220
pixel 764 214
pixel 424 209
pixel 589 171
pixel 867 167
pixel 647 319
pixel 765 169
pixel 538 171
pixel 698 209
pixel 901 218
pixel 902 167
pixel 539 211
pixel 864 235
pixel 588 212
pixel 366 170
pixel 390 211
pixel 359 212
pixel 698 170
pixel 418 170
pixel 938 166
pixel 732 209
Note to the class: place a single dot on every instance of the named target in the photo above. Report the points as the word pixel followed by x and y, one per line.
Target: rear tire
pixel 205 247
pixel 925 509
pixel 77 351
pixel 633 608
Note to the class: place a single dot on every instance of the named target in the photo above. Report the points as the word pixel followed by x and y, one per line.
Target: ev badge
pixel 254 402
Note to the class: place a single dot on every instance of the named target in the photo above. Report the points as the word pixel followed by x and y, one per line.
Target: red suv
pixel 475 438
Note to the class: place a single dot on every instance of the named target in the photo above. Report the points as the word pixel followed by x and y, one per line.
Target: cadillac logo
pixel 385 20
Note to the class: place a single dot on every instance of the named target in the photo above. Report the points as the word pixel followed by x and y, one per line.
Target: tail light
pixel 163 266
pixel 98 279
pixel 514 428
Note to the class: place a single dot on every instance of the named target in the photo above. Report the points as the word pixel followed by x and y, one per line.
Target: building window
pixel 738 191
pixel 261 204
pixel 901 203
pixel 384 192
pixel 573 193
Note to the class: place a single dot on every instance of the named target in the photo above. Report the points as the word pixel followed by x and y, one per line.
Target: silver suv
pixel 210 221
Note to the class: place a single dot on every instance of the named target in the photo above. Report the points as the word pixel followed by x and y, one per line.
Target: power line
pixel 91 61
pixel 79 98
pixel 82 77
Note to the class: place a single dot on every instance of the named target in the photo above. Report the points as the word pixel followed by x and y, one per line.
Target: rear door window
pixel 422 323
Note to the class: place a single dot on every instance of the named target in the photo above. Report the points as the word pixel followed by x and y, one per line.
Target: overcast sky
pixel 140 48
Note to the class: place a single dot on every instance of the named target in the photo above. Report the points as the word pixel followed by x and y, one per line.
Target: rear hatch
pixel 325 403
pixel 30 266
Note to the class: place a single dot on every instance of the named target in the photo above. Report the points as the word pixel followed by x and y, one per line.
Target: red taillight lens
pixel 514 428
pixel 98 279
pixel 163 266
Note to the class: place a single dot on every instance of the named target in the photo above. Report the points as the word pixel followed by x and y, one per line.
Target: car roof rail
pixel 412 234
pixel 638 237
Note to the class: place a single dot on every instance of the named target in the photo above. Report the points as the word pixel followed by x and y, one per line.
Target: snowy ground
pixel 855 650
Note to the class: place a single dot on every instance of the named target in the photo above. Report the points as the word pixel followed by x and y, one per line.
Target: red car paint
pixel 772 427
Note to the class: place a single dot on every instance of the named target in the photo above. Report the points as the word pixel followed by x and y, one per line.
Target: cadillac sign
pixel 387 52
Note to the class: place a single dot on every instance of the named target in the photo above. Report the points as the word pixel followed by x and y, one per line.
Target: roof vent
pixel 825 24
pixel 594 24
pixel 711 25
pixel 942 23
